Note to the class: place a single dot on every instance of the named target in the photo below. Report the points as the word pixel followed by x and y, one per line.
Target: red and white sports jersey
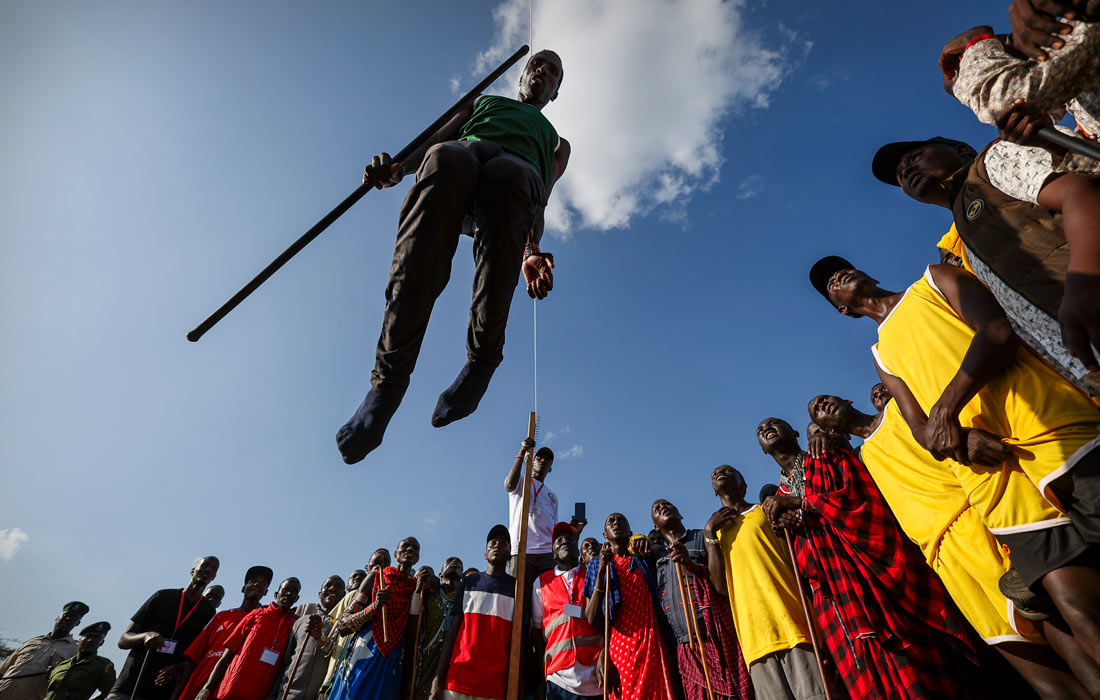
pixel 479 662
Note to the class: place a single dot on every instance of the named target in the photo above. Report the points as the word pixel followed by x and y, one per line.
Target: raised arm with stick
pixel 327 220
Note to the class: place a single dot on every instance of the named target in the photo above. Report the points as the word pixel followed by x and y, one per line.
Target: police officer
pixel 23 675
pixel 78 677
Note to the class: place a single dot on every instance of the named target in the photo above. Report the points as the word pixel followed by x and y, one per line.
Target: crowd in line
pixel 967 520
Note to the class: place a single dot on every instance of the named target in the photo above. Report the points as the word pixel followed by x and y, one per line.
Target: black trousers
pixel 505 195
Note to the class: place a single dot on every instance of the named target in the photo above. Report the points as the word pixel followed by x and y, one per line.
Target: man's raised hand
pixel 538 273
pixel 1035 27
pixel 952 52
pixel 383 172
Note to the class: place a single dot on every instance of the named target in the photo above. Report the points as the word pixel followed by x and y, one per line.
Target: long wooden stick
pixel 382 587
pixel 326 221
pixel 606 628
pixel 515 661
pixel 684 604
pixel 806 611
pixel 693 625
pixel 294 668
pixel 416 646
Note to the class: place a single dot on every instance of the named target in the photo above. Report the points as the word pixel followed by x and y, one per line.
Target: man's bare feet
pixel 365 429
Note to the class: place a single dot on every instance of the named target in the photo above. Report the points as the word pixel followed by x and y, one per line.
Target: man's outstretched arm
pixel 980 447
pixel 511 482
pixel 991 78
pixel 991 351
pixel 385 172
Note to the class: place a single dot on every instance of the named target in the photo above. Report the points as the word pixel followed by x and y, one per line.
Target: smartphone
pixel 578 511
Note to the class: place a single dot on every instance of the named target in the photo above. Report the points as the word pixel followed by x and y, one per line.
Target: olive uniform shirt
pixel 75 679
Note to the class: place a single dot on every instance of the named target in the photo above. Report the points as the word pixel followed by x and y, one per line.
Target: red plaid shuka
pixel 729 677
pixel 887 620
pixel 401 588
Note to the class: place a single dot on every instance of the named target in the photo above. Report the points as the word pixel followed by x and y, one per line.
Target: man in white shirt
pixel 542 516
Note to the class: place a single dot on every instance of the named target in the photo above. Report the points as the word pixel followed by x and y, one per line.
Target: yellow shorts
pixel 969 563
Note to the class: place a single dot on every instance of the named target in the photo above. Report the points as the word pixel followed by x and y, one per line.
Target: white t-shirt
pixel 577 679
pixel 541 520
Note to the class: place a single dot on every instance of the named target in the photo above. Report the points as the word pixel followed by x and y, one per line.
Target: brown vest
pixel 1022 243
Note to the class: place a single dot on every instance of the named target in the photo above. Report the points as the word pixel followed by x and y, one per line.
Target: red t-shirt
pixel 257 643
pixel 207 648
pixel 479 662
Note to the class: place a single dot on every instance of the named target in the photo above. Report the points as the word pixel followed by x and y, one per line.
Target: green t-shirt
pixel 517 127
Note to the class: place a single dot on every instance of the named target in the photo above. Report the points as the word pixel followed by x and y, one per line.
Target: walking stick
pixel 688 601
pixel 141 672
pixel 516 653
pixel 307 237
pixel 1079 146
pixel 294 668
pixel 416 646
pixel 382 587
pixel 806 611
pixel 606 629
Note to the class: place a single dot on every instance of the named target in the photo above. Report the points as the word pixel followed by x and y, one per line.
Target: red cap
pixel 561 528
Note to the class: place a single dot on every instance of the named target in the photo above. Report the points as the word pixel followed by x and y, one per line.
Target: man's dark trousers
pixel 505 196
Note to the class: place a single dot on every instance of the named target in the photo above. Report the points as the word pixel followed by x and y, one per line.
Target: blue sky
pixel 156 155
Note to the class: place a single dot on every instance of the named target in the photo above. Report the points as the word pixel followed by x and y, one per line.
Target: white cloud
pixel 430 521
pixel 574 451
pixel 647 86
pixel 552 435
pixel 750 187
pixel 11 541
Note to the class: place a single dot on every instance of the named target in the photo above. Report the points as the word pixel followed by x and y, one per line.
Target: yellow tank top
pixel 924 494
pixel 762 588
pixel 923 341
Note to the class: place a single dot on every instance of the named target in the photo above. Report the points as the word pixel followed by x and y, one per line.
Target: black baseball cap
pixel 254 571
pixel 824 269
pixel 885 163
pixel 497 531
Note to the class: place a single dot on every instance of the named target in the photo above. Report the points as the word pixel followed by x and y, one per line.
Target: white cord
pixel 535 346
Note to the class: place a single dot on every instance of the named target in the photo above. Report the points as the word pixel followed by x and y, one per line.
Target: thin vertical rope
pixel 535 348
pixel 535 302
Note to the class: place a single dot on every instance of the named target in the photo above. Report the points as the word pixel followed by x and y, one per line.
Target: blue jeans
pixel 556 692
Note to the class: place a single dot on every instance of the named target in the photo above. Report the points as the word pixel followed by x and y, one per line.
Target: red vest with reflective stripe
pixel 569 640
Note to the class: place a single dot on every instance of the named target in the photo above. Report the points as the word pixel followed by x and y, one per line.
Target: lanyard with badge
pixel 169 645
pixel 572 590
pixel 270 655
pixel 535 497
